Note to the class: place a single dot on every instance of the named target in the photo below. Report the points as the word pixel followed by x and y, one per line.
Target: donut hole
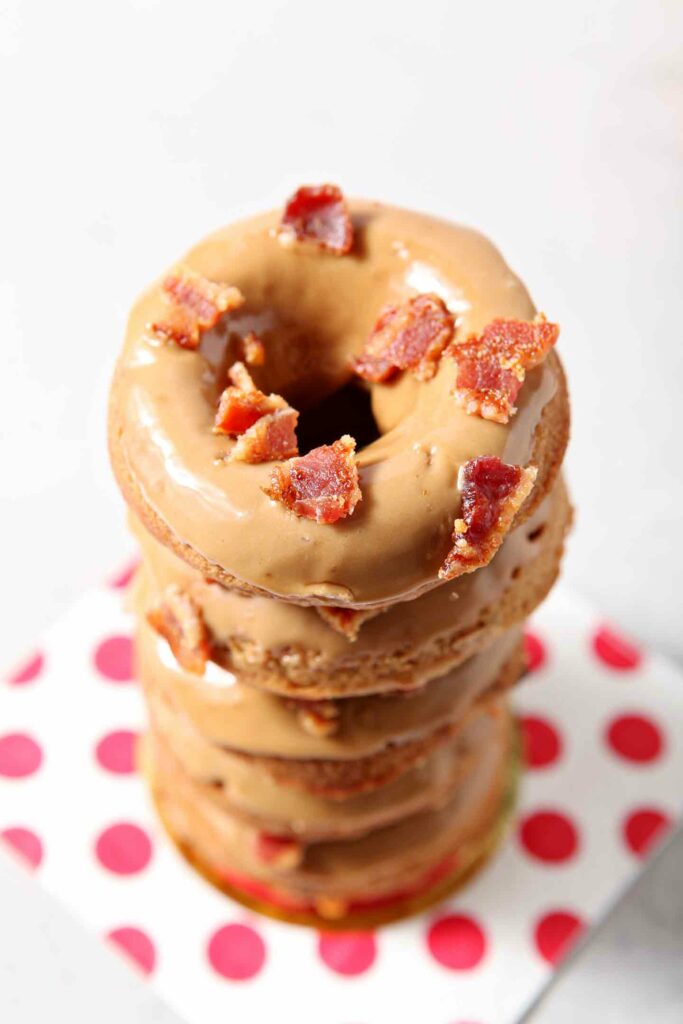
pixel 346 411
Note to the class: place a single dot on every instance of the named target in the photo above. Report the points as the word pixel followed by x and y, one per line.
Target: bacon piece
pixel 408 337
pixel 322 485
pixel 346 621
pixel 279 851
pixel 270 438
pixel 253 349
pixel 264 424
pixel 196 304
pixel 180 622
pixel 492 365
pixel 316 717
pixel 318 213
pixel 492 492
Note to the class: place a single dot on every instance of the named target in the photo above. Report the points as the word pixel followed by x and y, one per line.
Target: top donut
pixel 341 404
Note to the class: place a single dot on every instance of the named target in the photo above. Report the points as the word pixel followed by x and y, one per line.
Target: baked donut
pixel 373 740
pixel 386 873
pixel 319 653
pixel 308 314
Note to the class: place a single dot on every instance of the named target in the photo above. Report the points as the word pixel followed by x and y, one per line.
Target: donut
pixel 182 394
pixel 339 431
pixel 375 738
pixel 394 869
pixel 293 650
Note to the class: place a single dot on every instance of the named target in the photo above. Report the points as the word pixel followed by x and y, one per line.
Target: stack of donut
pixel 339 429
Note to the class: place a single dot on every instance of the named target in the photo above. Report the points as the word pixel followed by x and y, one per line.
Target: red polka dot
pixel 635 738
pixel 541 741
pixel 116 752
pixel 114 659
pixel 614 650
pixel 123 578
pixel 26 843
pixel 136 945
pixel 644 828
pixel 555 933
pixel 20 755
pixel 534 651
pixel 457 942
pixel 549 836
pixel 236 952
pixel 124 849
pixel 347 953
pixel 29 671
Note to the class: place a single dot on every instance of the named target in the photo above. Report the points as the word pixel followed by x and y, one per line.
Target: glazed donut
pixel 385 868
pixel 293 650
pixel 313 312
pixel 374 738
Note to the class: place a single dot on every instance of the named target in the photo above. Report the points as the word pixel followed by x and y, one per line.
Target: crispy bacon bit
pixel 322 485
pixel 318 213
pixel 179 621
pixel 408 337
pixel 279 851
pixel 195 306
pixel 264 424
pixel 271 438
pixel 492 365
pixel 316 717
pixel 492 492
pixel 254 350
pixel 346 621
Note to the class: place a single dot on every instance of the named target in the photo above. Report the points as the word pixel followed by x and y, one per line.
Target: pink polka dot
pixel 114 659
pixel 614 650
pixel 549 836
pixel 635 738
pixel 29 671
pixel 116 752
pixel 26 843
pixel 137 945
pixel 555 933
pixel 347 953
pixel 534 651
pixel 124 849
pixel 123 578
pixel 236 952
pixel 457 942
pixel 541 741
pixel 644 828
pixel 20 755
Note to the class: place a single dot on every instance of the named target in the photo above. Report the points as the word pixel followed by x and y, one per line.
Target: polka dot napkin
pixel 603 741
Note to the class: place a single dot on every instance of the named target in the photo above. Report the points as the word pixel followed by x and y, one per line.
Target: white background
pixel 129 129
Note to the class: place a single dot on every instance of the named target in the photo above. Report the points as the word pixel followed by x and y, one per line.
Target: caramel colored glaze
pixel 288 648
pixel 313 312
pixel 243 788
pixel 384 860
pixel 240 717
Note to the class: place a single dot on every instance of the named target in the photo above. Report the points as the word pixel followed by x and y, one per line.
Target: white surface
pixel 129 129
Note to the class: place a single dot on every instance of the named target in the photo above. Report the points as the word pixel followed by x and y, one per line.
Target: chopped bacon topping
pixel 322 485
pixel 271 438
pixel 492 492
pixel 316 717
pixel 179 621
pixel 195 305
pixel 346 621
pixel 492 365
pixel 264 424
pixel 408 337
pixel 318 213
pixel 254 350
pixel 279 851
